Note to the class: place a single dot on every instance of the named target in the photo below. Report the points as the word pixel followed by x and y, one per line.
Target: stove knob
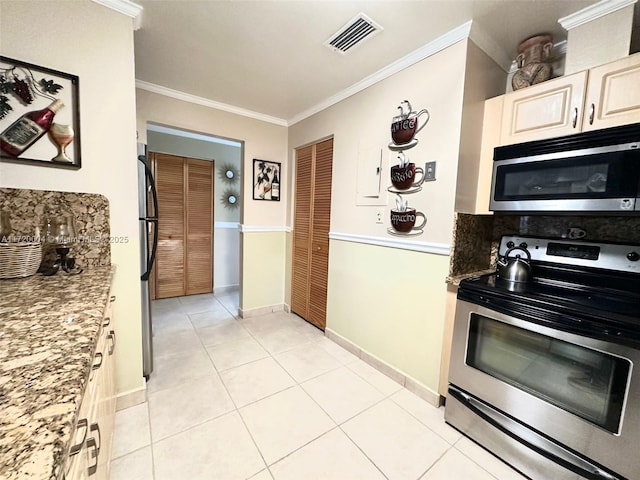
pixel 524 245
pixel 510 244
pixel 633 256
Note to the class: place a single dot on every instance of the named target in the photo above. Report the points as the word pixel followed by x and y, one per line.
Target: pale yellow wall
pixel 364 120
pixel 263 265
pixel 262 140
pixel 390 302
pixel 95 43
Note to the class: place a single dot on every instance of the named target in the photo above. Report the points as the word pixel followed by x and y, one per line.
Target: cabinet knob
pixel 592 112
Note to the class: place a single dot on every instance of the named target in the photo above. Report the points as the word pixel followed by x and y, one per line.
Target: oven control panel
pixel 610 256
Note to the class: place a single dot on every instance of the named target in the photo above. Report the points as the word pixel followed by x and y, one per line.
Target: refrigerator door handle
pixel 153 219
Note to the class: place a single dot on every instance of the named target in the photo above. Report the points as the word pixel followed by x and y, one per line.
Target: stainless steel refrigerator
pixel 148 216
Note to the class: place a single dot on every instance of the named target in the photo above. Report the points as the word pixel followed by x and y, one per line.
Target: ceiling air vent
pixel 353 33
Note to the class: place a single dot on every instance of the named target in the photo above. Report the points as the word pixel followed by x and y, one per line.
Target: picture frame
pixel 26 91
pixel 267 180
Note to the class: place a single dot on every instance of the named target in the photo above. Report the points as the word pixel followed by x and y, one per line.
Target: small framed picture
pixel 266 180
pixel 39 115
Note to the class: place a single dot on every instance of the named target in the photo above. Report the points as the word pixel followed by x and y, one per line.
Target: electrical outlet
pixel 429 171
pixel 379 216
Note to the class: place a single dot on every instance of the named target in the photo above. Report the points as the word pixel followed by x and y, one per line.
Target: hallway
pixel 269 397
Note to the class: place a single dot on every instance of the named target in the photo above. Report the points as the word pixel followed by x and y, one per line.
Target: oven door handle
pixel 531 439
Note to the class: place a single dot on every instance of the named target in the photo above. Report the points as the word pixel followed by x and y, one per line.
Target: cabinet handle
pixel 91 443
pixel 112 299
pixel 106 322
pixel 112 337
pixel 592 111
pixel 574 117
pixel 75 449
pixel 97 365
pixel 96 428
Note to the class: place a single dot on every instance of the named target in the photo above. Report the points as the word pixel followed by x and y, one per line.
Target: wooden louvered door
pixel 169 268
pixel 199 183
pixel 184 261
pixel 311 232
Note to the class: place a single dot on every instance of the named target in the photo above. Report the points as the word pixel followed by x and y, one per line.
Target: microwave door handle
pixel 531 439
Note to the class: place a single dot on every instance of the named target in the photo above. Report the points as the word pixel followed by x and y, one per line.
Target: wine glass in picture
pixel 61 135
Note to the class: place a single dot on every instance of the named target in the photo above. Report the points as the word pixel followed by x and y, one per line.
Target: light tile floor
pixel 270 398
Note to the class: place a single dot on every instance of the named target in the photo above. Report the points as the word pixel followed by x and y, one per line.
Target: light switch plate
pixel 429 171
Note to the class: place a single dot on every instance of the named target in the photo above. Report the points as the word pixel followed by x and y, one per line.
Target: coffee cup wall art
pixel 406 125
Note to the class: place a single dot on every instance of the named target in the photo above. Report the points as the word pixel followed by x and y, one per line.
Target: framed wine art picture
pixel 266 180
pixel 39 115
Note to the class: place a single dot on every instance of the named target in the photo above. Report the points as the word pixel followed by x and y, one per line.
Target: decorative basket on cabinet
pixel 19 259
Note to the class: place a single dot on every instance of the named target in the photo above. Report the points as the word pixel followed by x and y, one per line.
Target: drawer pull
pixel 112 337
pixel 112 298
pixel 75 449
pixel 98 358
pixel 96 428
pixel 106 321
pixel 91 443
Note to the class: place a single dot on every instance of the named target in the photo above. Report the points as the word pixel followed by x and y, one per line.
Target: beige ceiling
pixel 268 56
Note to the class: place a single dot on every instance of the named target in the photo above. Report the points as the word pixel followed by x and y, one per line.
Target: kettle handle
pixel 517 247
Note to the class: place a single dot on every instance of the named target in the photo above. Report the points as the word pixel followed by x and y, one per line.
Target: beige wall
pixel 95 43
pixel 390 301
pixel 262 140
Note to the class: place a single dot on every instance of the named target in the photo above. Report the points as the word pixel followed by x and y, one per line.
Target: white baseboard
pixel 131 398
pixel 254 312
pixel 393 373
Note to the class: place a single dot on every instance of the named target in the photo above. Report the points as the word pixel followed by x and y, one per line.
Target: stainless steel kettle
pixel 515 269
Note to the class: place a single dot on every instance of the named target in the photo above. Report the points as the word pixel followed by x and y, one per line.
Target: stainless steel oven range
pixel 545 374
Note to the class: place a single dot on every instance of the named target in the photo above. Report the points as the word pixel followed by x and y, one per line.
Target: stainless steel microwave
pixel 590 172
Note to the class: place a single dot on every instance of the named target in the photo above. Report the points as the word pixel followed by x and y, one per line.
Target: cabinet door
pixel 199 254
pixel 319 268
pixel 613 94
pixel 302 232
pixel 547 110
pixel 171 243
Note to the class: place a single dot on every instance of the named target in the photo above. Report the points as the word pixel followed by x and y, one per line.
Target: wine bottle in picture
pixel 275 187
pixel 26 130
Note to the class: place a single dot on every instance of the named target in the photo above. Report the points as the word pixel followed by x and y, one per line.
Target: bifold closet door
pixel 169 268
pixel 199 226
pixel 184 261
pixel 312 220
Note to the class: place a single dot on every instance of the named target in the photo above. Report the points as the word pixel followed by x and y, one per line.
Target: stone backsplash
pixel 29 210
pixel 476 237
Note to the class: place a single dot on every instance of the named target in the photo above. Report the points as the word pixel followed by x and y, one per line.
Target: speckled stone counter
pixel 49 328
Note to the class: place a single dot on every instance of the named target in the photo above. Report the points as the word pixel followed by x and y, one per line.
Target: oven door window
pixel 609 175
pixel 585 382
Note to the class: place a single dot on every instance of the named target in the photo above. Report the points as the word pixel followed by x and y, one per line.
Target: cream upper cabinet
pixel 602 97
pixel 549 109
pixel 613 94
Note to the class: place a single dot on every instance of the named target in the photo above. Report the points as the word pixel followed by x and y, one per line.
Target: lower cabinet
pixel 90 451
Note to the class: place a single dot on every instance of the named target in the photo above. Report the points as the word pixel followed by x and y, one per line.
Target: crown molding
pixel 425 247
pixel 125 7
pixel 431 48
pixel 187 97
pixel 593 12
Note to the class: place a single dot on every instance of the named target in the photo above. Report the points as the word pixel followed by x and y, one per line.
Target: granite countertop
pixel 456 279
pixel 49 328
